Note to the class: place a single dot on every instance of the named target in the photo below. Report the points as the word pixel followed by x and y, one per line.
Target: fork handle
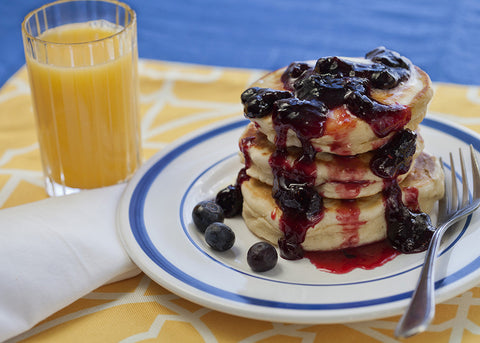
pixel 421 310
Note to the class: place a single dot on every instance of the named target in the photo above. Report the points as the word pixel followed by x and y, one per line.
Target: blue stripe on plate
pixel 137 225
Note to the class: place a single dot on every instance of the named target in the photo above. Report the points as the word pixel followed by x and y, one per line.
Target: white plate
pixel 154 221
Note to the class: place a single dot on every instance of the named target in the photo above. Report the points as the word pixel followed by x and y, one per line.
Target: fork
pixel 451 209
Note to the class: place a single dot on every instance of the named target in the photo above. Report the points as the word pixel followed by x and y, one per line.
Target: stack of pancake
pixel 314 181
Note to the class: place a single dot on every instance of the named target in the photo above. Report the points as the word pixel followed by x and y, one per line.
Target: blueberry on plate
pixel 262 256
pixel 219 236
pixel 206 213
pixel 230 200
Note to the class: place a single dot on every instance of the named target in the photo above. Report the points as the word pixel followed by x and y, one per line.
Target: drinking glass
pixel 81 57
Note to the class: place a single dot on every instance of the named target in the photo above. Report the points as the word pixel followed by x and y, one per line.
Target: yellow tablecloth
pixel 176 99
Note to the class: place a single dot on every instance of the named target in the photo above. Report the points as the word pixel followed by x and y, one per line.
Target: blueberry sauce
pixel 395 157
pixel 348 215
pixel 351 189
pixel 347 173
pixel 294 192
pixel 245 144
pixel 340 127
pixel 411 198
pixel 293 72
pixel 336 82
pixel 293 187
pixel 345 260
pixel 230 198
pixel 258 102
pixel 408 229
pixel 302 208
pixel 310 94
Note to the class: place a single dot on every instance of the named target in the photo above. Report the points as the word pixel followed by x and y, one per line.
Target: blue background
pixel 441 36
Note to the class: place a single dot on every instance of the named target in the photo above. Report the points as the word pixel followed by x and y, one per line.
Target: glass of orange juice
pixel 82 64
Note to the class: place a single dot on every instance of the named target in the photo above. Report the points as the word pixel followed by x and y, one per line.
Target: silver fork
pixel 450 210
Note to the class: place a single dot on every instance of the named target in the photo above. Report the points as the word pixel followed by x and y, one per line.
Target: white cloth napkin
pixel 55 251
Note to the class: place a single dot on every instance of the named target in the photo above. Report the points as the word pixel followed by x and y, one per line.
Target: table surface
pixel 440 36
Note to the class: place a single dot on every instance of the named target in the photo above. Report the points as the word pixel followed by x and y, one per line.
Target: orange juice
pixel 85 100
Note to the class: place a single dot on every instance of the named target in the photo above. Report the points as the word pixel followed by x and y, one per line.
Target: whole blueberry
pixel 258 102
pixel 230 200
pixel 206 213
pixel 262 256
pixel 219 236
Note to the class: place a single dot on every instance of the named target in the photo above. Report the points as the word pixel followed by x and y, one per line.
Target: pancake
pixel 337 177
pixel 345 133
pixel 345 223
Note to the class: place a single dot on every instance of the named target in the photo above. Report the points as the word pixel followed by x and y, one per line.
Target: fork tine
pixel 465 188
pixel 453 203
pixel 442 203
pixel 475 173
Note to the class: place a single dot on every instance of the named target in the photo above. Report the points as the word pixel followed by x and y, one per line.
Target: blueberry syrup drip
pixel 408 229
pixel 302 208
pixel 395 157
pixel 305 118
pixel 293 187
pixel 411 198
pixel 383 119
pixel 231 198
pixel 348 215
pixel 301 205
pixel 347 173
pixel 245 144
pixel 351 189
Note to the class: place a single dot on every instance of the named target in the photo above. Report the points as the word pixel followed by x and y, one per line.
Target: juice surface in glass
pixel 86 105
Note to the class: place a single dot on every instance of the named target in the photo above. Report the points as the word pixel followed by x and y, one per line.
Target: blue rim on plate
pixel 136 208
